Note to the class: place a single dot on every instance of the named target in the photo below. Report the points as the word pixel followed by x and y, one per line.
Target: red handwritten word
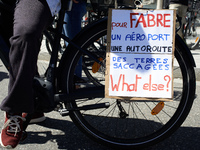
pixel 151 20
pixel 134 87
pixel 119 24
pixel 129 87
pixel 153 87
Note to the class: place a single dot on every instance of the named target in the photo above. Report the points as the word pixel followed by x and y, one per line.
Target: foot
pixel 11 132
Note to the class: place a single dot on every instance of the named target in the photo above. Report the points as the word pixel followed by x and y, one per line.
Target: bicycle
pixel 121 124
pixel 190 32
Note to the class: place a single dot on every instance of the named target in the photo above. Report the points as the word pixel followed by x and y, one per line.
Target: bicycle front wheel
pixel 191 36
pixel 125 123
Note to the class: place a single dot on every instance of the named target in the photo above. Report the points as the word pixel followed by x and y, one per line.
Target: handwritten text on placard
pixel 141 52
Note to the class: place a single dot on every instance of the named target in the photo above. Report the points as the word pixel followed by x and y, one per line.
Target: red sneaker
pixel 36 117
pixel 11 132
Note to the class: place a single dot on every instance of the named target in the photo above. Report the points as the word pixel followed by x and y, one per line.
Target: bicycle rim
pixel 130 124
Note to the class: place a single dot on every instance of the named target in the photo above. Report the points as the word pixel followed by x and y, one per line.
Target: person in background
pixel 72 27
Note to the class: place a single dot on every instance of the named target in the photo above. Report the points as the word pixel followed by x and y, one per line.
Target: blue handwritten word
pixel 151 60
pixel 119 59
pixel 135 37
pixel 140 66
pixel 159 37
pixel 116 37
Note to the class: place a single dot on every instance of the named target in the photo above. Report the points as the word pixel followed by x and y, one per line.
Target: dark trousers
pixel 30 19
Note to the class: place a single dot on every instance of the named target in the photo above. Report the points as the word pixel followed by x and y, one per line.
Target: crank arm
pixel 65 112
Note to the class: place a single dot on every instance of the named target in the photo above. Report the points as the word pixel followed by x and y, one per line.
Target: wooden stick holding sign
pixel 140 52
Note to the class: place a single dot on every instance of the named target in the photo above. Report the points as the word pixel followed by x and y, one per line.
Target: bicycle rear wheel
pixel 126 124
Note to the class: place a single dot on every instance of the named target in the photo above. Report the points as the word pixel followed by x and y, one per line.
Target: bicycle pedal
pixel 64 112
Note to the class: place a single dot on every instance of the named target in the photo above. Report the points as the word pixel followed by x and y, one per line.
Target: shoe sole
pixel 7 147
pixel 38 120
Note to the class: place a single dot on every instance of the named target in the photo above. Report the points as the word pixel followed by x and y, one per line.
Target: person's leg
pixel 72 27
pixel 30 18
pixel 74 18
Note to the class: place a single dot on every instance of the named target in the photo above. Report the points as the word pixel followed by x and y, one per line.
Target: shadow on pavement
pixel 3 75
pixel 69 137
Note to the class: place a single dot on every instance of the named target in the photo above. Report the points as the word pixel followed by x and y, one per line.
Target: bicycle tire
pixel 108 127
pixel 48 41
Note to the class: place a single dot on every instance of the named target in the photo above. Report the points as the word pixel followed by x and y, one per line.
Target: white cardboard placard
pixel 140 54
